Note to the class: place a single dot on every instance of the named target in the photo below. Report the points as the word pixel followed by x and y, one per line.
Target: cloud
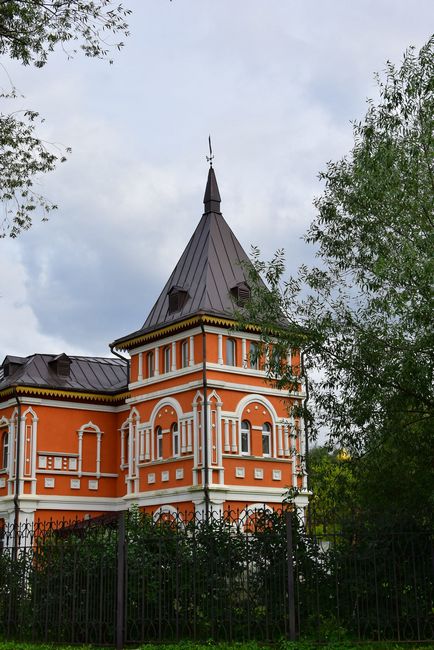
pixel 275 83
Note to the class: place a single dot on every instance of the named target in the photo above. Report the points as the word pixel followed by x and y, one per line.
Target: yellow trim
pixel 210 320
pixel 53 392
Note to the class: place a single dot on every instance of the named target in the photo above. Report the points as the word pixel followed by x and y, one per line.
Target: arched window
pixel 150 364
pixel 159 436
pixel 175 439
pixel 245 437
pixel 184 354
pixel 4 437
pixel 166 358
pixel 253 355
pixel 230 352
pixel 266 439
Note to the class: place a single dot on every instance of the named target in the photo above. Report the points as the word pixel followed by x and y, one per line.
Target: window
pixel 266 439
pixel 4 437
pixel 166 358
pixel 184 354
pixel 175 439
pixel 241 293
pixel 159 433
pixel 177 298
pixel 245 437
pixel 230 352
pixel 253 355
pixel 150 364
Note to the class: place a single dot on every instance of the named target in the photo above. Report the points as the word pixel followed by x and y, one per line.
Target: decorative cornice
pixel 68 394
pixel 182 325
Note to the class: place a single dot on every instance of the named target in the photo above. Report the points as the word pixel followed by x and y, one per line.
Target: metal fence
pixel 134 578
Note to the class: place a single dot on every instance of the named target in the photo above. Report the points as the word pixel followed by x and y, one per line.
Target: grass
pixel 185 645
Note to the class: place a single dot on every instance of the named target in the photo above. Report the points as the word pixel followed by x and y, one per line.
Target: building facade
pixel 186 422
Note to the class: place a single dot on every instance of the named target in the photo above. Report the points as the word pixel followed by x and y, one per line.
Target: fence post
pixel 120 584
pixel 291 594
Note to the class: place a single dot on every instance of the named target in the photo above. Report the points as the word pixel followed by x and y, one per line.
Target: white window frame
pixel 243 429
pixel 159 445
pixel 150 363
pixel 175 440
pixel 5 449
pixel 231 352
pixel 184 354
pixel 253 355
pixel 266 435
pixel 166 358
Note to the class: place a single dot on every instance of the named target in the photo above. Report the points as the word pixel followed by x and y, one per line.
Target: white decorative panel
pixel 277 475
pixel 180 472
pixel 72 463
pixel 57 462
pixel 93 484
pixel 75 483
pixel 2 482
pixel 240 472
pixel 49 482
pixel 151 478
pixel 258 472
pixel 165 476
pixel 42 462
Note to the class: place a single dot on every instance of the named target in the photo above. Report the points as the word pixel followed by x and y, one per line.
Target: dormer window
pixel 61 365
pixel 241 293
pixel 177 299
pixel 10 364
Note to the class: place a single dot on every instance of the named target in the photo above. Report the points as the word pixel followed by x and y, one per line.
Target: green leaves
pixel 363 315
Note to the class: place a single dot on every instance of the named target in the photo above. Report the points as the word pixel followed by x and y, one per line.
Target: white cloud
pixel 275 83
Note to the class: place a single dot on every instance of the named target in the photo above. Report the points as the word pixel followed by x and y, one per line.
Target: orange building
pixel 187 423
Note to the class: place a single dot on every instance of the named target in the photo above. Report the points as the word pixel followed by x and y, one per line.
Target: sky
pixel 276 83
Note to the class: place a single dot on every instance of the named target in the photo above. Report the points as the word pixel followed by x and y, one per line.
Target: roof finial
pixel 210 158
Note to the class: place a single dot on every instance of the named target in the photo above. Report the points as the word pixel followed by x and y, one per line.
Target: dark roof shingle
pixel 87 374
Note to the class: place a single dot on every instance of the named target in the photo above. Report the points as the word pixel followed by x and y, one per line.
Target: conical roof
pixel 209 269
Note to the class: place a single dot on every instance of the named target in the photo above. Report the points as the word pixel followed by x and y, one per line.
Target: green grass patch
pixel 189 645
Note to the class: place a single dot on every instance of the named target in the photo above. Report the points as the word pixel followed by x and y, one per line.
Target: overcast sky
pixel 275 82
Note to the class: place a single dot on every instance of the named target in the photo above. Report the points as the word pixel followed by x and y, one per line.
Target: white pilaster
pixel 244 353
pixel 140 367
pixel 234 436
pixel 220 349
pixel 80 452
pixel 173 366
pixel 227 445
pixel 156 361
pixel 280 439
pixel 98 454
pixel 191 361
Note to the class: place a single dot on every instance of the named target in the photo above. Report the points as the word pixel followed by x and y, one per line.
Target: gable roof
pixel 211 265
pixel 87 374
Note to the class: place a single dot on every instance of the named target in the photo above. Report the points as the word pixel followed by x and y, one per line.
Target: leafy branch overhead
pixel 29 31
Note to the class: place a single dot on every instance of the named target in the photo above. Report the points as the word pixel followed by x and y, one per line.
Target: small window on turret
pixel 241 293
pixel 177 299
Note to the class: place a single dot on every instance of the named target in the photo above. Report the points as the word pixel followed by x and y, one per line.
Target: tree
pixel 29 32
pixel 363 315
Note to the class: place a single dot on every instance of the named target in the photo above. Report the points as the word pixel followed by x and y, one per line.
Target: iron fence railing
pixel 134 578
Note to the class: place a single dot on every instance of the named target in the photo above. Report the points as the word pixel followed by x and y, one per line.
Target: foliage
pixel 220 580
pixel 29 32
pixel 363 316
pixel 333 484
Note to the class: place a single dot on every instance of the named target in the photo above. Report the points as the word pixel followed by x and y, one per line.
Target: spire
pixel 212 195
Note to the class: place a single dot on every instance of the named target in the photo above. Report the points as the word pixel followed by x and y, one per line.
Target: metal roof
pixel 87 374
pixel 210 266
